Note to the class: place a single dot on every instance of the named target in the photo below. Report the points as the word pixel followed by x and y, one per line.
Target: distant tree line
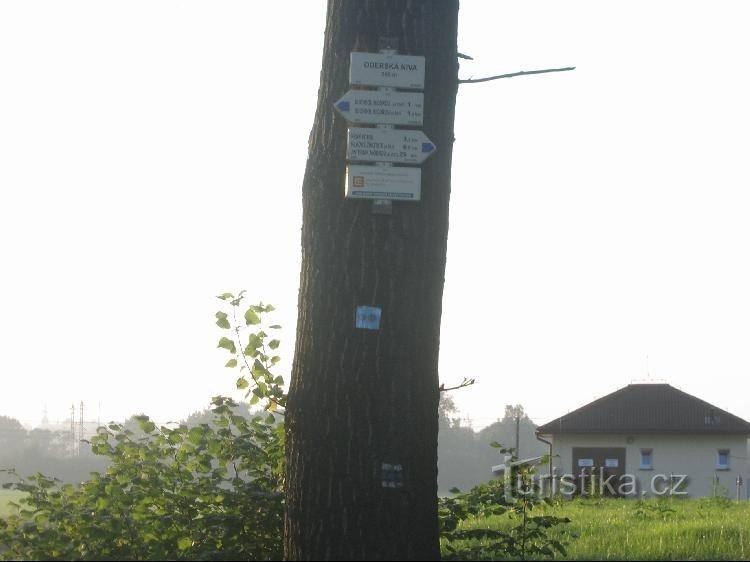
pixel 465 457
pixel 44 450
pixel 57 453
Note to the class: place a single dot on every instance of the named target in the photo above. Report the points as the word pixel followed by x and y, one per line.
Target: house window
pixel 722 459
pixel 712 418
pixel 647 459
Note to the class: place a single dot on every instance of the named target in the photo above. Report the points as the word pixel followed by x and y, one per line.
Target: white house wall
pixel 694 456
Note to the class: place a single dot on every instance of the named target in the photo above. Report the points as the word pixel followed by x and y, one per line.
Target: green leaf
pixel 275 327
pixel 242 383
pixel 184 543
pixel 195 435
pixel 222 321
pixel 273 344
pixel 204 463
pixel 174 437
pixel 146 425
pixel 251 317
pixel 258 369
pixel 254 343
pixel 228 344
pixel 231 363
pixel 225 296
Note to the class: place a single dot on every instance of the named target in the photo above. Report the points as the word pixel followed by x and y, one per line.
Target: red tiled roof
pixel 648 408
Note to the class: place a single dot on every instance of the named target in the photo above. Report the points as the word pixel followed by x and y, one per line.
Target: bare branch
pixel 514 74
pixel 465 382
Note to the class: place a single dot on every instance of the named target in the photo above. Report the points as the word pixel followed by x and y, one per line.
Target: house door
pixel 598 470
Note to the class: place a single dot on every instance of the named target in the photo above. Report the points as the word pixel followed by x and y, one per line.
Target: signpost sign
pixel 389 108
pixel 383 182
pixel 402 146
pixel 379 69
pixel 385 107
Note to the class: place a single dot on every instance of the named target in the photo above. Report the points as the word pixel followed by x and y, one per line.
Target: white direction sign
pixel 395 71
pixel 390 108
pixel 383 182
pixel 388 145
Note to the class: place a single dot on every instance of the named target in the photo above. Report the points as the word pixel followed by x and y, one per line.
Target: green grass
pixel 8 496
pixel 618 529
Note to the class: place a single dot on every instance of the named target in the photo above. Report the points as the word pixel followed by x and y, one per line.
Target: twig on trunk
pixel 465 382
pixel 514 74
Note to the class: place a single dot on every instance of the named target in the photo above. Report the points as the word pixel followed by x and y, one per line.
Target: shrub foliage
pixel 208 492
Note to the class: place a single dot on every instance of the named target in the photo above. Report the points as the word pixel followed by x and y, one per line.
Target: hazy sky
pixel 152 153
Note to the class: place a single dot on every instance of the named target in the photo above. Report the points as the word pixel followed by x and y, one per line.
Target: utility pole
pixel 80 429
pixel 73 428
pixel 515 413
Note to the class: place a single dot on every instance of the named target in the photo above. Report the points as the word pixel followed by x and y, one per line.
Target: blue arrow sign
pixel 375 106
pixel 402 146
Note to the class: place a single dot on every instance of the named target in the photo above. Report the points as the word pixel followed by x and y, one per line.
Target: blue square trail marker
pixel 391 475
pixel 367 318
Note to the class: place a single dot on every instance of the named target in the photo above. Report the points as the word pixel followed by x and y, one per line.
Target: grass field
pixel 618 529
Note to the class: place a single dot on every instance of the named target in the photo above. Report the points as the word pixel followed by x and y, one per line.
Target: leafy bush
pixel 464 539
pixel 208 492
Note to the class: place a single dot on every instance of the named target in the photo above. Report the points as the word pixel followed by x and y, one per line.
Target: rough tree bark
pixel 362 398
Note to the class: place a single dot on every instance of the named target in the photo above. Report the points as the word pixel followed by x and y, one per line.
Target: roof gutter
pixel 549 445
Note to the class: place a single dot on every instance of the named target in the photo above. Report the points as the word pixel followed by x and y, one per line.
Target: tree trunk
pixel 360 399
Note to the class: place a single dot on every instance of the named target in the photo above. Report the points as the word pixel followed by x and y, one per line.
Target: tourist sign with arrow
pixel 403 146
pixel 375 106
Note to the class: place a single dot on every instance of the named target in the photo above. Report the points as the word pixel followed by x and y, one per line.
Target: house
pixel 648 440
